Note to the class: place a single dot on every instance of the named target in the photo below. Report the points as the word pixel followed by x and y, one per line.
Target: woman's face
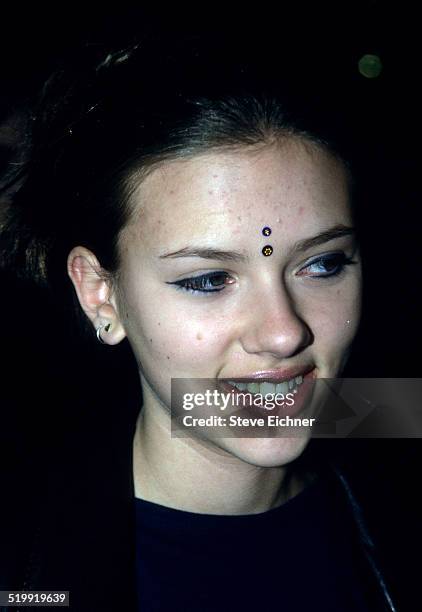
pixel 297 308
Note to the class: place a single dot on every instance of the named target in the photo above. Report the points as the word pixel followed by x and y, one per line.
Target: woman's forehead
pixel 218 191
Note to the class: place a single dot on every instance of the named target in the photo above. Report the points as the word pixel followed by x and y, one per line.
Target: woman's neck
pixel 185 474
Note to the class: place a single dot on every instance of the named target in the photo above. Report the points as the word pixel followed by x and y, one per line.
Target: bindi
pixel 267 250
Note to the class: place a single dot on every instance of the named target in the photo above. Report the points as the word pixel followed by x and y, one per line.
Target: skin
pixel 272 312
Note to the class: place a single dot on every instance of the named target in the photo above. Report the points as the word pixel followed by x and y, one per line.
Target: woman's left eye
pixel 206 283
pixel 327 265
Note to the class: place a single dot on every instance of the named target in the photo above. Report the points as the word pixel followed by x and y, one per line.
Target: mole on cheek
pixel 199 336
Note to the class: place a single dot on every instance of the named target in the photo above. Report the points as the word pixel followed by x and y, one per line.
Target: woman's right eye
pixel 206 283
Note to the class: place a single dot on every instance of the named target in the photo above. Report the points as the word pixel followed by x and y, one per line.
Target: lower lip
pixel 303 393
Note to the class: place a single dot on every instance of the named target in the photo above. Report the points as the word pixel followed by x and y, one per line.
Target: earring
pixel 106 327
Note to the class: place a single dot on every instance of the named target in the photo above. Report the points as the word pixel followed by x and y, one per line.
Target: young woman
pixel 206 217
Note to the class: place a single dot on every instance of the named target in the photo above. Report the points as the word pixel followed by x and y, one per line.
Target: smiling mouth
pixel 264 387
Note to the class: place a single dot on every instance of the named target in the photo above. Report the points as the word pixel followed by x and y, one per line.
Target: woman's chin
pixel 266 452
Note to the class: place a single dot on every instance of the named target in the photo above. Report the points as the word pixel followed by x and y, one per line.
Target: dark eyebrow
pixel 338 231
pixel 208 254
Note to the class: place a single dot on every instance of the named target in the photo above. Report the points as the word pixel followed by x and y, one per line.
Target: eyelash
pixel 196 284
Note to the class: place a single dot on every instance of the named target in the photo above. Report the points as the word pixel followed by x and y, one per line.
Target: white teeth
pixel 282 387
pixel 253 387
pixel 265 387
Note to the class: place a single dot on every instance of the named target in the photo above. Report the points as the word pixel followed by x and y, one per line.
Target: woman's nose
pixel 274 326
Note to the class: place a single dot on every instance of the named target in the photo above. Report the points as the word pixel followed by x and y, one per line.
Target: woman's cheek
pixel 171 342
pixel 340 323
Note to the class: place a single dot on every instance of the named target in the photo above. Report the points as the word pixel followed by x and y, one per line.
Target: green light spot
pixel 370 66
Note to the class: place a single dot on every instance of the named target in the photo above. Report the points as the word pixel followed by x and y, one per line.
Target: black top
pixel 301 556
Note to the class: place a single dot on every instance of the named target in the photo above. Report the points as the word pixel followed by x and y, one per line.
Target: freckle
pixel 210 191
pixel 239 218
pixel 159 323
pixel 168 357
pixel 215 176
pixel 199 336
pixel 171 191
pixel 150 339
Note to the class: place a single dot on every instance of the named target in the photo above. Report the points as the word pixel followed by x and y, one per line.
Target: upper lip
pixel 278 375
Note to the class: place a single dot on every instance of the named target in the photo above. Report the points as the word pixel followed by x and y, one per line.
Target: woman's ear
pixel 94 292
